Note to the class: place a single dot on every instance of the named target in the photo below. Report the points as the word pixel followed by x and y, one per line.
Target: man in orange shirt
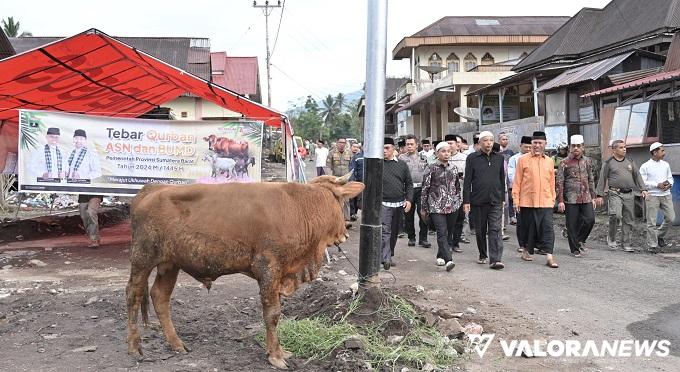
pixel 533 194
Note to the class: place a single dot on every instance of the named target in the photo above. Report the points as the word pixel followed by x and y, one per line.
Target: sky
pixel 319 48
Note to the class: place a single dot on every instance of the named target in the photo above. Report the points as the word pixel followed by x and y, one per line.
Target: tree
pixel 330 118
pixel 11 28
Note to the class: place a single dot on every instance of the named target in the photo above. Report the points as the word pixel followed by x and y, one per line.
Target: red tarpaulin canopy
pixel 92 73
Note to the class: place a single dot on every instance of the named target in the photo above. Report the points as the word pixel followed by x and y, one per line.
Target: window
pixel 435 60
pixel 453 63
pixel 487 59
pixel 631 124
pixel 668 114
pixel 581 110
pixel 555 102
pixel 470 61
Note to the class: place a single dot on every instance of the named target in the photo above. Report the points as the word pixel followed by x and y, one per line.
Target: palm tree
pixel 11 28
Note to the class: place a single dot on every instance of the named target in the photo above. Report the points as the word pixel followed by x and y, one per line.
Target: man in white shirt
pixel 427 150
pixel 475 145
pixel 656 173
pixel 83 163
pixel 48 163
pixel 321 154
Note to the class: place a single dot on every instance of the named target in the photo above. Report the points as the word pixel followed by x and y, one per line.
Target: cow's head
pixel 341 187
pixel 211 140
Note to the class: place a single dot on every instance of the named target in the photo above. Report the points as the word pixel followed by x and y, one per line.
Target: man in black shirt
pixel 397 199
pixel 484 192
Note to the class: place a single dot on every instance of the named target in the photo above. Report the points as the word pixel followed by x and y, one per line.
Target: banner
pixel 82 154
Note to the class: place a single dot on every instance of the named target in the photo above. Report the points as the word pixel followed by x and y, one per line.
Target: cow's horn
pixel 344 179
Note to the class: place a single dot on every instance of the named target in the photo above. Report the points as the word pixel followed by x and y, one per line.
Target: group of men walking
pixel 487 183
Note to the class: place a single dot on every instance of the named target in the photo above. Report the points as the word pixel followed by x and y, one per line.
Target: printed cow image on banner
pixel 82 154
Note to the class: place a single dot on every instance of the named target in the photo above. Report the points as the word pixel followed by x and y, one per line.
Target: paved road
pixel 603 296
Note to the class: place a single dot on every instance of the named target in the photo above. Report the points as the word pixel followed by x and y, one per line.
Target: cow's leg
pixel 271 309
pixel 161 291
pixel 135 291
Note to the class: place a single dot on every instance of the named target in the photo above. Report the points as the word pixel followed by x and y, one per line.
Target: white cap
pixel 486 133
pixel 655 146
pixel 577 139
pixel 441 145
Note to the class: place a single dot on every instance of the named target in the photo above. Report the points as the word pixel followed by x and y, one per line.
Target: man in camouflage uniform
pixel 576 194
pixel 338 162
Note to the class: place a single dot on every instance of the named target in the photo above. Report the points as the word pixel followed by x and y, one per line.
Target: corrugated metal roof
pixel 6 49
pixel 239 74
pixel 591 71
pixel 662 76
pixel 593 29
pixel 491 26
pixel 626 77
pixel 176 51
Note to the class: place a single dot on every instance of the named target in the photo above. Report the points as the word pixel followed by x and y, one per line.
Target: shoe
pixel 663 244
pixel 653 250
pixel 386 265
pixel 497 266
pixel 582 247
pixel 541 252
pixel 464 240
pixel 628 249
pixel 612 244
pixel 551 262
pixel 450 265
pixel 393 263
pixel 520 249
pixel 411 242
pixel 353 217
pixel 481 261
pixel 526 256
pixel 401 235
pixel 431 232
pixel 441 262
pixel 456 249
pixel 424 244
pixel 513 221
pixel 94 244
pixel 576 254
pixel 348 225
pixel 506 237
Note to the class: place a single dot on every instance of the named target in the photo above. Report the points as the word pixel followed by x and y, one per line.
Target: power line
pixel 278 28
pixel 313 92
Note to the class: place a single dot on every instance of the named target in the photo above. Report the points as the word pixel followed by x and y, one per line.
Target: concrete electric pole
pixel 374 131
pixel 267 10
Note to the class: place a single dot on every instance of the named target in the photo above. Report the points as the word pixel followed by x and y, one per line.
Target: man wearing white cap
pixel 576 194
pixel 484 192
pixel 656 173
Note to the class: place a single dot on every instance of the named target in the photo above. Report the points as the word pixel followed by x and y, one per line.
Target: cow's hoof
pixel 135 351
pixel 279 363
pixel 286 354
pixel 180 348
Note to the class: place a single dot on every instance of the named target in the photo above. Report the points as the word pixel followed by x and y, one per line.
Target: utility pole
pixel 374 132
pixel 267 10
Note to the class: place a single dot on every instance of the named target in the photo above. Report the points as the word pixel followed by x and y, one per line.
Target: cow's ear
pixel 349 190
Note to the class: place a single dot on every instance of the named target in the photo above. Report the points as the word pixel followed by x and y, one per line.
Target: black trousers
pixel 521 234
pixel 580 222
pixel 488 218
pixel 457 229
pixel 537 226
pixel 442 222
pixel 397 223
pixel 410 218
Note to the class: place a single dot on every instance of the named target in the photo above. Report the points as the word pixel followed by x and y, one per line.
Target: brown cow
pixel 276 233
pixel 227 147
